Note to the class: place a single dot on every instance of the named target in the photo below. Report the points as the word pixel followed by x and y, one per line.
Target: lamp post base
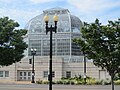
pixel 32 81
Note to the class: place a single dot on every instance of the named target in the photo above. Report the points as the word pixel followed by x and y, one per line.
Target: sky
pixel 87 10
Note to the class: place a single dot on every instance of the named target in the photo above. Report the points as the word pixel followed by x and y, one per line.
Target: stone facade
pixel 21 71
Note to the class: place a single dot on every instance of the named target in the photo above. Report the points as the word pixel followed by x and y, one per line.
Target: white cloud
pixel 7 1
pixel 21 16
pixel 16 13
pixel 88 6
pixel 86 10
pixel 41 1
pixel 89 10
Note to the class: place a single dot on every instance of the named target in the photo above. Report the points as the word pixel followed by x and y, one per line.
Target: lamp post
pixel 51 29
pixel 33 52
pixel 84 68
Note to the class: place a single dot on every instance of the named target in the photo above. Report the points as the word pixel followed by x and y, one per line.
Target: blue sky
pixel 87 10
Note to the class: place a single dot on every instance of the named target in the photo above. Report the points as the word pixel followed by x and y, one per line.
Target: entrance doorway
pixel 24 75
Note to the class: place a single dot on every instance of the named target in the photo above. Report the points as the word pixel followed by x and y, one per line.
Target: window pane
pixel 1 73
pixel 6 73
pixel 21 78
pixel 45 74
pixel 53 74
pixel 25 78
pixel 29 73
pixel 68 74
pixel 29 78
pixel 20 73
pixel 24 73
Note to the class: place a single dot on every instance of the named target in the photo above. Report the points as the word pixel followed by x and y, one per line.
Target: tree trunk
pixel 112 81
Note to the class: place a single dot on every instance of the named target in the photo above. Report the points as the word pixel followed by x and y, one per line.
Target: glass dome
pixel 68 28
pixel 66 22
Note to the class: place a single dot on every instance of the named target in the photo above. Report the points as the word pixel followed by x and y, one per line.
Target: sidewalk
pixel 14 82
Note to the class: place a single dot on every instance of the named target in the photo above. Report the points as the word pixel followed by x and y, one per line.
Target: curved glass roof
pixel 66 23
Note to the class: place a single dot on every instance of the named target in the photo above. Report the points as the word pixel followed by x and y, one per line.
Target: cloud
pixel 88 6
pixel 16 13
pixel 87 10
pixel 7 1
pixel 20 16
pixel 41 1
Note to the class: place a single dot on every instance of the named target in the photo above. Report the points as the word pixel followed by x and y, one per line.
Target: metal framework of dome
pixel 68 29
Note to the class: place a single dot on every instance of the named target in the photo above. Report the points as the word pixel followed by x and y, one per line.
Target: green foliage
pixel 117 82
pixel 80 81
pixel 101 43
pixel 59 82
pixel 39 82
pixel 43 82
pixel 91 82
pixel 105 82
pixel 117 76
pixel 12 45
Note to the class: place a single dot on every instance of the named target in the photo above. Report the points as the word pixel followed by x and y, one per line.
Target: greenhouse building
pixel 67 61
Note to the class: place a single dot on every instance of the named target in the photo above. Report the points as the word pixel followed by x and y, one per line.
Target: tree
pixel 101 43
pixel 12 45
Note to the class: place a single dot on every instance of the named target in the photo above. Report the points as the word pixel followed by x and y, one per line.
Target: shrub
pixel 72 82
pixel 39 82
pixel 98 82
pixel 59 82
pixel 91 82
pixel 117 82
pixel 66 82
pixel 105 82
pixel 45 82
pixel 79 82
pixel 42 82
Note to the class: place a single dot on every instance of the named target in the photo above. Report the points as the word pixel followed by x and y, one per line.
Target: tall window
pixel 53 74
pixel 68 74
pixel 29 75
pixel 6 73
pixel 45 74
pixel 1 73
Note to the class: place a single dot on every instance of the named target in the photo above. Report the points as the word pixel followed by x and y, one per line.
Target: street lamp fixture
pixel 51 29
pixel 33 52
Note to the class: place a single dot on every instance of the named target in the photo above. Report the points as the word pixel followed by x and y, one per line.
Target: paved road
pixel 55 87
